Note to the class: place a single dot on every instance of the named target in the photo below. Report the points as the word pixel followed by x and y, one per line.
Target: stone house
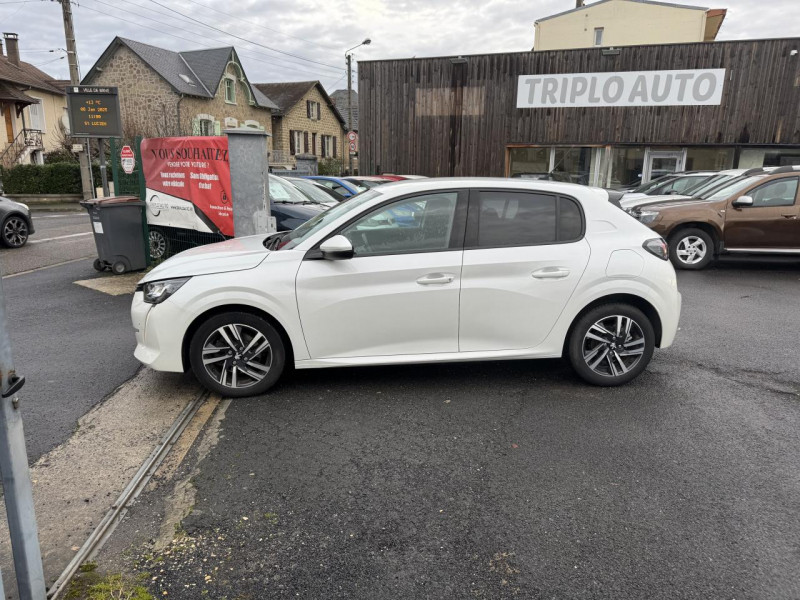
pixel 165 93
pixel 33 106
pixel 306 122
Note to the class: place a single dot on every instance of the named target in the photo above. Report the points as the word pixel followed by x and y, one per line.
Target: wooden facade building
pixel 458 116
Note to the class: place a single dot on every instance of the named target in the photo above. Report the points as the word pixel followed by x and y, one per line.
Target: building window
pixel 575 164
pixel 230 91
pixel 598 36
pixel 295 142
pixel 206 127
pixel 327 146
pixel 36 116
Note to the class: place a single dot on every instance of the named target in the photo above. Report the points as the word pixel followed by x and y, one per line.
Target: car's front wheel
pixel 691 249
pixel 159 244
pixel 611 344
pixel 237 354
pixel 15 231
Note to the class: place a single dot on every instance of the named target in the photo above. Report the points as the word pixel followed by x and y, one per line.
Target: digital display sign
pixel 93 111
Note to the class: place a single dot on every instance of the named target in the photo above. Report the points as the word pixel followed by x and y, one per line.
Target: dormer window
pixel 188 80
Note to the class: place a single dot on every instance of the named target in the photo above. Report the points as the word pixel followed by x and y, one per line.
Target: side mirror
pixel 743 201
pixel 336 248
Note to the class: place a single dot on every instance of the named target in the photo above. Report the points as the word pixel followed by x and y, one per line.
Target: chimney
pixel 578 3
pixel 12 42
pixel 1 48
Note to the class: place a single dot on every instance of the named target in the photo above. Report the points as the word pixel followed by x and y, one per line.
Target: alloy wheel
pixel 15 232
pixel 613 345
pixel 237 355
pixel 158 244
pixel 691 250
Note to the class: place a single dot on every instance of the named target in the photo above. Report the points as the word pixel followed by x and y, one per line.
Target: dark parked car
pixel 316 191
pixel 17 223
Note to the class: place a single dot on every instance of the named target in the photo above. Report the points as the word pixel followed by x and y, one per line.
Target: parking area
pixel 506 479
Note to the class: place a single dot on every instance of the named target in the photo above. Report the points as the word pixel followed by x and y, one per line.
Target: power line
pixel 49 61
pixel 261 26
pixel 238 37
pixel 193 41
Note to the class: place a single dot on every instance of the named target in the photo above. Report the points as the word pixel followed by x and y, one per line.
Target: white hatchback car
pixel 418 272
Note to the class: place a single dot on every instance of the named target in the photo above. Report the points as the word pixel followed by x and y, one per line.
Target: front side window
pixel 510 218
pixel 230 91
pixel 419 224
pixel 776 193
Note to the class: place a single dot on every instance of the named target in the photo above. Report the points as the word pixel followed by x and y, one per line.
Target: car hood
pixel 297 210
pixel 238 254
pixel 636 200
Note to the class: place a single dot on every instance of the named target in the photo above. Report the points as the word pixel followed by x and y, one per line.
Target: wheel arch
pixel 648 309
pixel 712 230
pixel 225 308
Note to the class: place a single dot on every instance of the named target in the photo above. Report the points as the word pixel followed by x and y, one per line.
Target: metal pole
pixel 103 175
pixel 75 79
pixel 17 489
pixel 349 113
pixel 91 172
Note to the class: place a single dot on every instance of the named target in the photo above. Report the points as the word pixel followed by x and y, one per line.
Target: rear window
pixel 507 218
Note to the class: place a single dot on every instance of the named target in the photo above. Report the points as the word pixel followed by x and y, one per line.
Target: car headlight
pixel 647 216
pixel 155 292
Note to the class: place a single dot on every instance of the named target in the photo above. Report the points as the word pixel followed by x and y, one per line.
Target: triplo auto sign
pixel 628 88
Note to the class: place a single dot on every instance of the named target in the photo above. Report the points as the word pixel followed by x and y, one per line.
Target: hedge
pixel 56 178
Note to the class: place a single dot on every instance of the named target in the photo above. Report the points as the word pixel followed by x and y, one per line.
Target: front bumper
pixel 159 332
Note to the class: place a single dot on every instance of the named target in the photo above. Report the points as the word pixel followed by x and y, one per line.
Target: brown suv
pixel 757 213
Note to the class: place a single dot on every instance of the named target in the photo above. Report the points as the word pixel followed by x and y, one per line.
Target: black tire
pixel 609 371
pixel 99 265
pixel 15 231
pixel 231 358
pixel 158 243
pixel 119 267
pixel 688 238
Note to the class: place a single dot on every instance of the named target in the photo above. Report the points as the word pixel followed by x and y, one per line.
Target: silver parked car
pixel 17 223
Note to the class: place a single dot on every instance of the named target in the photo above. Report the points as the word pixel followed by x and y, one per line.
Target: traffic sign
pixel 352 136
pixel 127 159
pixel 352 146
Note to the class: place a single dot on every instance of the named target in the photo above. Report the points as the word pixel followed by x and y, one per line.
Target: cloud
pixel 322 31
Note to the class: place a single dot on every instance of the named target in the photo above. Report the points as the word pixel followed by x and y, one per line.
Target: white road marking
pixel 66 262
pixel 61 237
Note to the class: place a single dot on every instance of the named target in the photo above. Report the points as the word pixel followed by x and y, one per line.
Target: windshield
pixel 309 228
pixel 731 188
pixel 706 185
pixel 282 191
pixel 316 193
pixel 650 185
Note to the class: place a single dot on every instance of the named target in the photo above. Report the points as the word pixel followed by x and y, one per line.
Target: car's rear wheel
pixel 237 354
pixel 691 249
pixel 15 231
pixel 611 344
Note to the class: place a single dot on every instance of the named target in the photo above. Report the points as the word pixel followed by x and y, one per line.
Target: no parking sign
pixel 127 159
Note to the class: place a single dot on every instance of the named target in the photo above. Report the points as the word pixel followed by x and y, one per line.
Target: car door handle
pixel 436 279
pixel 551 273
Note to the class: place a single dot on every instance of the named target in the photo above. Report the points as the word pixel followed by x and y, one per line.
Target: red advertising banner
pixel 188 182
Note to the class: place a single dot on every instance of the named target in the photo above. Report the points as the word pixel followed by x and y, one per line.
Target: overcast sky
pixel 322 31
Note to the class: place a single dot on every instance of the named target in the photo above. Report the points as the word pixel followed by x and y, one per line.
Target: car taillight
pixel 657 247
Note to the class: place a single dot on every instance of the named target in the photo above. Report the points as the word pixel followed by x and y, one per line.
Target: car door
pixel 523 257
pixel 399 293
pixel 772 223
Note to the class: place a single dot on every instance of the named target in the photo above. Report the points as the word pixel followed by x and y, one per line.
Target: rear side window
pixel 508 218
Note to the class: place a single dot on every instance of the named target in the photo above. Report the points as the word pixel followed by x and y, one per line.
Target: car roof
pixel 441 183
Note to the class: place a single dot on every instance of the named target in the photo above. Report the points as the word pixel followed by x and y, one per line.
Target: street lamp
pixel 349 60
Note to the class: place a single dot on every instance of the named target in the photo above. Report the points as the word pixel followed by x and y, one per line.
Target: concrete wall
pixel 624 23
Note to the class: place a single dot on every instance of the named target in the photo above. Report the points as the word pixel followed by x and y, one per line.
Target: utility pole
pixel 17 489
pixel 349 113
pixel 349 59
pixel 87 185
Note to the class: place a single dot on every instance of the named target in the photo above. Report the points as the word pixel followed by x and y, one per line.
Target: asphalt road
pixel 59 237
pixel 73 345
pixel 515 480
